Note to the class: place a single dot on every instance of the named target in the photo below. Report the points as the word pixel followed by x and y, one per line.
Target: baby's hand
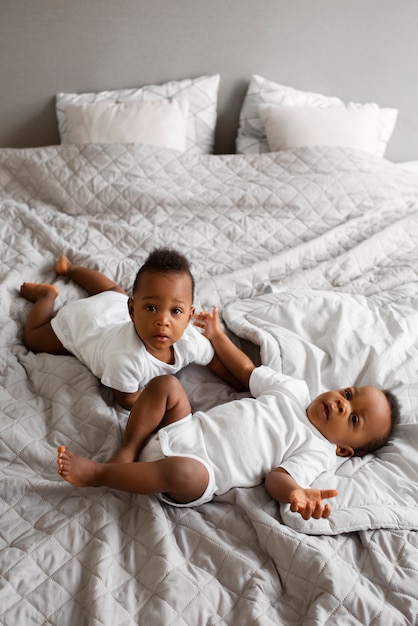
pixel 308 502
pixel 209 322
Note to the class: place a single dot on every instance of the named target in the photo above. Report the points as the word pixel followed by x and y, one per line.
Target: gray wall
pixel 362 50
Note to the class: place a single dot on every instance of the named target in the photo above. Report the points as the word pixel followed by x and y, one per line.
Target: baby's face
pixel 161 309
pixel 350 417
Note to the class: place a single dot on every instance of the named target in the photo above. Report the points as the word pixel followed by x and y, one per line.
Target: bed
pixel 308 244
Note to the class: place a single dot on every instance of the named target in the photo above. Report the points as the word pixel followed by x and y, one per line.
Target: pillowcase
pixel 159 122
pixel 251 137
pixel 201 93
pixel 293 127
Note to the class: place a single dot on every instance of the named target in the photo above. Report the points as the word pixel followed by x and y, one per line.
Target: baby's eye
pixel 150 307
pixel 354 419
pixel 177 311
pixel 347 394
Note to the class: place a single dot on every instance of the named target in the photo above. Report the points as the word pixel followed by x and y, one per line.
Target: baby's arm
pixel 229 361
pixel 307 502
pixel 126 400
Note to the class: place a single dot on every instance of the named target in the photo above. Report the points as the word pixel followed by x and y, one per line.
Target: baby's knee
pixel 188 478
pixel 165 384
pixel 185 470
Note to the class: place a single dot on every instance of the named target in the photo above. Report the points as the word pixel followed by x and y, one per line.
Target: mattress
pixel 312 257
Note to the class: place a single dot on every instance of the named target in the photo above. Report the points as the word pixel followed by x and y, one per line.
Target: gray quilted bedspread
pixel 254 227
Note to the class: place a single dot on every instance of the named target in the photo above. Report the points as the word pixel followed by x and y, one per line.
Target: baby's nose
pixel 342 406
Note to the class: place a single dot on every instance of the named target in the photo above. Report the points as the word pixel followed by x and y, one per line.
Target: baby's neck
pixel 165 356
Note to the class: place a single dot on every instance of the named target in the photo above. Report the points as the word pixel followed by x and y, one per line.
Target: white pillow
pixel 294 126
pixel 410 165
pixel 160 122
pixel 251 137
pixel 201 93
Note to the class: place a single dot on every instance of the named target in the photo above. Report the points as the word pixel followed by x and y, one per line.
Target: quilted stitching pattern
pixel 301 218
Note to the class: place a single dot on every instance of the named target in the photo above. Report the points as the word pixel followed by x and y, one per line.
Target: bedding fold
pixel 312 257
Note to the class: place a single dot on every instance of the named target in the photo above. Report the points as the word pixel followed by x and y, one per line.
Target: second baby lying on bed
pixel 125 341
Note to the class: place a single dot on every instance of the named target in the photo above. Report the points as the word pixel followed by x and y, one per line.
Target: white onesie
pixel 98 330
pixel 241 441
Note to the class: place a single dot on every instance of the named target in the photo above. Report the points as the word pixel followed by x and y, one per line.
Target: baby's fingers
pixel 305 509
pixel 310 509
pixel 328 493
pixel 327 511
pixel 200 319
pixel 321 510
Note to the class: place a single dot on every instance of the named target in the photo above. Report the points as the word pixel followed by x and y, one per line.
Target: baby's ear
pixel 347 452
pixel 131 308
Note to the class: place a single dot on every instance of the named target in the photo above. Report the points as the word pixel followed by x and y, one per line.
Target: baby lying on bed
pixel 280 435
pixel 125 341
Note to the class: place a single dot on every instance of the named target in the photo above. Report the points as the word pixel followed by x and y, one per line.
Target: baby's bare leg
pixel 38 333
pixel 162 402
pixel 91 280
pixel 183 479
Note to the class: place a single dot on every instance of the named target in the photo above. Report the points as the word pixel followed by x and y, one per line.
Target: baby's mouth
pixel 161 336
pixel 326 410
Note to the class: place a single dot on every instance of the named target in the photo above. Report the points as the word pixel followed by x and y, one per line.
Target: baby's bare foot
pixel 64 266
pixel 75 469
pixel 35 291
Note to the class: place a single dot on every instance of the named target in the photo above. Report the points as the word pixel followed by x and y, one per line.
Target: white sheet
pixel 324 219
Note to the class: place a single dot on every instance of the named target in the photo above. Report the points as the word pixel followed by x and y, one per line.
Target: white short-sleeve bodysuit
pixel 98 330
pixel 241 441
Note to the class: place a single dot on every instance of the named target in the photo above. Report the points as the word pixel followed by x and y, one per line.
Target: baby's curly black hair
pixel 165 260
pixel 395 415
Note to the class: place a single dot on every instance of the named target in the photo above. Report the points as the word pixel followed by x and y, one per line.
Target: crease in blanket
pixel 311 254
